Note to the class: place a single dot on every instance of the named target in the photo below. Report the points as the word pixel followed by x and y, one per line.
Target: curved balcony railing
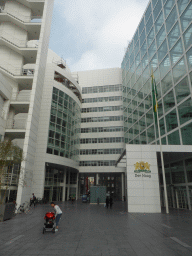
pixel 18 42
pixel 17 123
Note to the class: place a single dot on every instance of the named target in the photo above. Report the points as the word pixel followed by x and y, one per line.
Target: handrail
pixel 16 71
pixel 23 18
pixel 17 123
pixel 15 41
pixel 11 179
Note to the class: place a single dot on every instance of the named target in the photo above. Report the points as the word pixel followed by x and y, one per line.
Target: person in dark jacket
pixel 107 202
pixel 111 202
pixel 33 200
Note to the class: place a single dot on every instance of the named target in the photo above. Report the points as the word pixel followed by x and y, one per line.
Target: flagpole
pixel 162 160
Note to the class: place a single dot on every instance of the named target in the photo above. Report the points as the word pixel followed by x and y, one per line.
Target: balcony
pixel 15 71
pixel 23 18
pixel 18 42
pixel 19 123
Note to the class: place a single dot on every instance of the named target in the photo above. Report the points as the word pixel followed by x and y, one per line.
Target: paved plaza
pixel 94 230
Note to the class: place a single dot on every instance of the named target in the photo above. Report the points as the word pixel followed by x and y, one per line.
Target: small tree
pixel 10 155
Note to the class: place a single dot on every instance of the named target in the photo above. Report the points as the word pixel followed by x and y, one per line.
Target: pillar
pixel 97 178
pixel 64 187
pixel 122 185
pixel 77 185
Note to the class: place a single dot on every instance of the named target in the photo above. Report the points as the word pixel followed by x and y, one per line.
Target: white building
pixel 57 154
pixel 24 36
pixel 102 135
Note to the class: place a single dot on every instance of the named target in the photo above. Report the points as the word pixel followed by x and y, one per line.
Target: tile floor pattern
pixel 87 230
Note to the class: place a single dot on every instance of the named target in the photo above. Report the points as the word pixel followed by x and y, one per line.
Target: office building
pixel 102 135
pixel 162 43
pixel 24 36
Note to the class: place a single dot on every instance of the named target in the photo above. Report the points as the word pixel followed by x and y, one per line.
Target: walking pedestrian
pixel 33 200
pixel 111 202
pixel 58 214
pixel 107 202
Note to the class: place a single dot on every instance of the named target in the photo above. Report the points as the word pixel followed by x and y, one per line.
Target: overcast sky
pixel 93 34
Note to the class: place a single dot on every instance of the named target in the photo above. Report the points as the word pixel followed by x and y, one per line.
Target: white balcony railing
pixel 10 179
pixel 21 96
pixel 16 71
pixel 17 123
pixel 18 42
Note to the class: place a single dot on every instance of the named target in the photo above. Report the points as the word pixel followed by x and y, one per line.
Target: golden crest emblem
pixel 142 167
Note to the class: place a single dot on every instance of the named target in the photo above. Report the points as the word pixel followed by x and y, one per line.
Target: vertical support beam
pixel 97 178
pixel 187 187
pixel 64 187
pixel 122 186
pixel 77 185
pixel 68 185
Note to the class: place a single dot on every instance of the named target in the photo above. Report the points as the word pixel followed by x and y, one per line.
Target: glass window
pixel 142 37
pixel 164 66
pixel 153 63
pixel 185 111
pixel 169 101
pixel 186 132
pixel 136 37
pixel 148 13
pixel 137 47
pixel 188 37
pixel 171 19
pixel 186 17
pixel 179 70
pixel 150 36
pixel 145 61
pixel 160 108
pixel 182 90
pixel 149 24
pixel 141 26
pixel 188 164
pixel 176 52
pixel 154 2
pixel 143 49
pixel 162 50
pixel 168 6
pixel 159 22
pixel 157 9
pixel 177 172
pixel 137 60
pixel 150 133
pixel 152 50
pixel 173 138
pixel 146 75
pixel 189 58
pixel 163 141
pixel 171 120
pixel 161 36
pixel 174 35
pixel 166 83
pixel 162 126
pixel 182 5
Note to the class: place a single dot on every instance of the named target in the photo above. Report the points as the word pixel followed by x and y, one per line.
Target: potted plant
pixel 10 154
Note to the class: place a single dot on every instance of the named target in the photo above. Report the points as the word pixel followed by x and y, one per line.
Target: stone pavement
pixel 88 230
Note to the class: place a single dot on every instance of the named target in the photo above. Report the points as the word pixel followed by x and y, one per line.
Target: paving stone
pixel 93 230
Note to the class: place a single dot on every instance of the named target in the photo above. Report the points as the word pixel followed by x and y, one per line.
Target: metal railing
pixel 10 179
pixel 17 123
pixel 18 42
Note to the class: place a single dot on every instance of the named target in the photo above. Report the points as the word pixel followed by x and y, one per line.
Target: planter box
pixel 6 211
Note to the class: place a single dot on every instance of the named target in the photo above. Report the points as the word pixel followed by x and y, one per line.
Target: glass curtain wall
pixel 162 43
pixel 64 128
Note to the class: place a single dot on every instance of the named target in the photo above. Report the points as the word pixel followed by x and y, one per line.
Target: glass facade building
pixel 162 43
pixel 64 128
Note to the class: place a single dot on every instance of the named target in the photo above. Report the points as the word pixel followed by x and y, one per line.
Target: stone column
pixel 77 185
pixel 97 178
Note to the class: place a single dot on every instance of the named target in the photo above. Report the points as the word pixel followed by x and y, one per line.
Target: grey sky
pixel 91 34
